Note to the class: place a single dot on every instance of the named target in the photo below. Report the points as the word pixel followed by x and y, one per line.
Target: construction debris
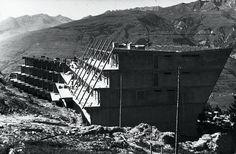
pixel 214 143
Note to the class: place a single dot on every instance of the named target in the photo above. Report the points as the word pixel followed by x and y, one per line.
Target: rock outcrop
pixel 220 143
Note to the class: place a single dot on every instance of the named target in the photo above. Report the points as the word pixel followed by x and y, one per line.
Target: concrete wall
pixel 33 90
pixel 161 116
pixel 41 73
pixel 150 87
pixel 149 97
pixel 47 64
pixel 37 82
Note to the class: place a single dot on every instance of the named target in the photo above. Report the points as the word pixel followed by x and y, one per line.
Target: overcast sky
pixel 74 9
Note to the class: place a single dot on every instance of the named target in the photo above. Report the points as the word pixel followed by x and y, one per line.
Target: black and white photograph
pixel 117 76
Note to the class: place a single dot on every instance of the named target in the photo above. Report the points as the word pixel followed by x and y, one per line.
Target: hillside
pixel 14 26
pixel 201 23
pixel 68 39
pixel 32 125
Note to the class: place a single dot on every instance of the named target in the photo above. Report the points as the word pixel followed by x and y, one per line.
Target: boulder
pixel 220 143
pixel 167 138
pixel 202 143
pixel 144 129
pixel 141 128
pixel 119 142
pixel 97 129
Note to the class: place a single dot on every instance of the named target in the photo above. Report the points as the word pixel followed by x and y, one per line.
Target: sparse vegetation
pixel 31 125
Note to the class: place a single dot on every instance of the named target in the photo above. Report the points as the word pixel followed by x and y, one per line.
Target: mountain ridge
pixel 15 26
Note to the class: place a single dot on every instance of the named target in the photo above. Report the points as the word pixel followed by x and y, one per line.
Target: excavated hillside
pixel 31 125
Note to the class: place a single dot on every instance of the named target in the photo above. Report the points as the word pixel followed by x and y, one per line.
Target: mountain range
pixel 15 26
pixel 209 23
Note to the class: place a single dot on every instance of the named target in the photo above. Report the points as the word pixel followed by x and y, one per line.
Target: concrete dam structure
pixel 125 84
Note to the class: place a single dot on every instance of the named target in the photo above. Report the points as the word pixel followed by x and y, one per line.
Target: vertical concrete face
pixel 150 85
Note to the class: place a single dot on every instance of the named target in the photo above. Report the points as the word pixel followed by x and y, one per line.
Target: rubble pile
pixel 31 125
pixel 28 137
pixel 214 121
pixel 214 143
pixel 144 135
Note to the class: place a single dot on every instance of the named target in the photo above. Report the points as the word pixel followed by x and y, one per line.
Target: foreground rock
pixel 28 136
pixel 220 143
pixel 31 125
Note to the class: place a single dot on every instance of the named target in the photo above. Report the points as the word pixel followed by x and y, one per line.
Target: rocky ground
pixel 31 125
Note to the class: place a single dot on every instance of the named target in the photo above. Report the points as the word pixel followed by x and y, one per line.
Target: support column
pixel 120 107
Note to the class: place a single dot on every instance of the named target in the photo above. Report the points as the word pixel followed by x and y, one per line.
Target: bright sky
pixel 74 9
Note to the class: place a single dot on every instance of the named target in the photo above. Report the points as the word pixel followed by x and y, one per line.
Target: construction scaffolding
pixel 88 73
